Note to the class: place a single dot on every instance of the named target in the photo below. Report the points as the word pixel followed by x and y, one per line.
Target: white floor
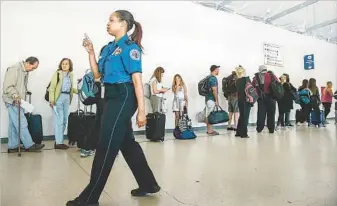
pixel 296 167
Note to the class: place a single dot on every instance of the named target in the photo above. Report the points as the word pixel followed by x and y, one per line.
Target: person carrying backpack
pixel 208 87
pixel 263 81
pixel 230 92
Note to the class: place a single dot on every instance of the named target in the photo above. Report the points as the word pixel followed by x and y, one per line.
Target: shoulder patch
pixel 135 54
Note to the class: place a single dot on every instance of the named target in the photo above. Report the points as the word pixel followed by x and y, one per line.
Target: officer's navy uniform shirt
pixel 118 60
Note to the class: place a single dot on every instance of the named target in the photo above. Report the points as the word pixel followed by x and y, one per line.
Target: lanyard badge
pixel 102 90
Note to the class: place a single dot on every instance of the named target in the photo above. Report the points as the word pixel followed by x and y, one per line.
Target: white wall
pixel 182 37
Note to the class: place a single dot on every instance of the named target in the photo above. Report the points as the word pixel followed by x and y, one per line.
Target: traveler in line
pixel 212 99
pixel 285 104
pixel 233 107
pixel 266 102
pixel 315 101
pixel 61 92
pixel 15 90
pixel 157 89
pixel 244 106
pixel 180 99
pixel 327 95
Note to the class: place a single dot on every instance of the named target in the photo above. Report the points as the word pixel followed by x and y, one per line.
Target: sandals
pixel 212 133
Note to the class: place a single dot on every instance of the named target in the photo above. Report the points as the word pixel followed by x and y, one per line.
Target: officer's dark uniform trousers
pixel 117 134
pixel 266 106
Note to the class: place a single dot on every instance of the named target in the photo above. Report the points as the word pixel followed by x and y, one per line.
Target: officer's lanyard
pixel 102 83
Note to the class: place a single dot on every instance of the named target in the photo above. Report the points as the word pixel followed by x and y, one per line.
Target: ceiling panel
pixel 261 8
pixel 298 21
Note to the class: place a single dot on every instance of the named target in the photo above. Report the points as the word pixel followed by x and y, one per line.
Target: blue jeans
pixel 61 117
pixel 13 126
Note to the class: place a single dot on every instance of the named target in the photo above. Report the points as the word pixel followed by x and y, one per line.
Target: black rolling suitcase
pixel 34 124
pixel 155 127
pixel 79 124
pixel 299 116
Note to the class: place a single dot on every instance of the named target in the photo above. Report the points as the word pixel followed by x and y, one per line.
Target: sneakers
pixel 142 192
pixel 77 202
pixel 87 153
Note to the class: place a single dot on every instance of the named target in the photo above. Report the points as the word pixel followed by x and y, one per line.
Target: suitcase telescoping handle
pixel 19 130
pixel 30 96
pixel 78 100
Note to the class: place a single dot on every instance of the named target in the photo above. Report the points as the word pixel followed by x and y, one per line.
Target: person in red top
pixel 266 102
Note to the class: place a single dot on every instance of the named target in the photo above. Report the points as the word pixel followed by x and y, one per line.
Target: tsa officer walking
pixel 120 68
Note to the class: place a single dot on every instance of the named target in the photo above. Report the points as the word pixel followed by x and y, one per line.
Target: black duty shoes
pixel 141 192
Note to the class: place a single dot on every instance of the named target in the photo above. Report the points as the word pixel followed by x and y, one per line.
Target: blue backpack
pixel 88 89
pixel 304 96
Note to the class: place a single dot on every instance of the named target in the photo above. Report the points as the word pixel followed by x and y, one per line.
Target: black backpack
pixel 228 85
pixel 46 96
pixel 203 87
pixel 276 87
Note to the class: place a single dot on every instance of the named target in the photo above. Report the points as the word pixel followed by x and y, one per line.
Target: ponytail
pixel 137 34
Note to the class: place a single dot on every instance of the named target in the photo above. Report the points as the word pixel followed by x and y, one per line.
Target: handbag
pixel 218 116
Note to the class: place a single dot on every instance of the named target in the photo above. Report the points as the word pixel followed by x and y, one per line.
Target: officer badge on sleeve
pixel 134 54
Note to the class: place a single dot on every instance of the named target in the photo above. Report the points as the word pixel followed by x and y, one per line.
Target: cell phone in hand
pixel 86 37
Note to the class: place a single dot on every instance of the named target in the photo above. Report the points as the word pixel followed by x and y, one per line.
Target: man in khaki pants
pixel 14 89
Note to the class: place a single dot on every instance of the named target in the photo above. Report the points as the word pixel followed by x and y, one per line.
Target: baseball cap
pixel 214 67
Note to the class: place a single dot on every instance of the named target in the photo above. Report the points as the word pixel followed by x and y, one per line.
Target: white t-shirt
pixel 159 86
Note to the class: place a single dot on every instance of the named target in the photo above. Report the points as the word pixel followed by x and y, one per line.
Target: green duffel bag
pixel 218 116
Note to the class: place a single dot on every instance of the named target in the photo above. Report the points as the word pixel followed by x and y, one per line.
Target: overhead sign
pixel 272 55
pixel 309 62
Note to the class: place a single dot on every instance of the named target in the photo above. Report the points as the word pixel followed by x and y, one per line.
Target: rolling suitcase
pixel 155 126
pixel 317 121
pixel 79 124
pixel 300 116
pixel 34 124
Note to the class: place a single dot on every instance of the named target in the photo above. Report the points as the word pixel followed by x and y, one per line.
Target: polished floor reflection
pixel 296 166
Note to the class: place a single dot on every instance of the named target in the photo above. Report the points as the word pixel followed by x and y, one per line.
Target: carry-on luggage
pixel 317 121
pixel 34 124
pixel 218 116
pixel 155 126
pixel 300 116
pixel 184 129
pixel 79 124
